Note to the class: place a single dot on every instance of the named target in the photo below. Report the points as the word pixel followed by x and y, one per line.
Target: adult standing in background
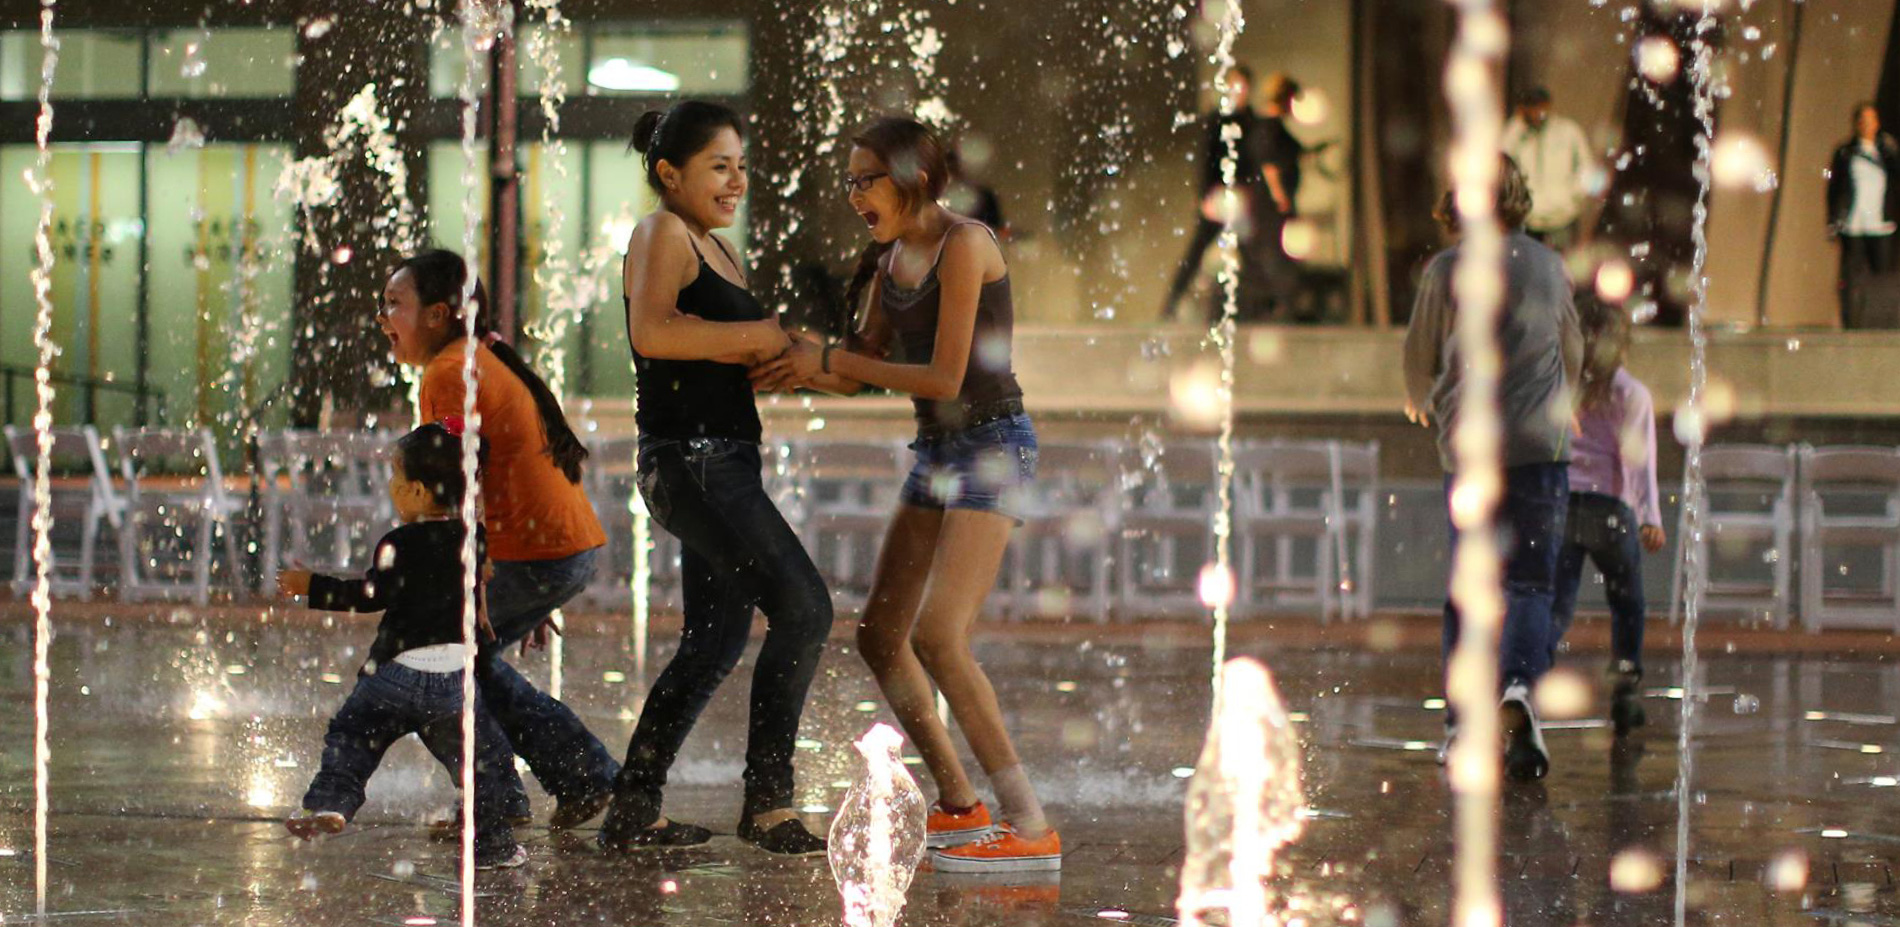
pixel 1280 153
pixel 1554 154
pixel 1249 180
pixel 1860 209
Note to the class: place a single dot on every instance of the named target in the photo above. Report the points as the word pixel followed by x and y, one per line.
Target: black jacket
pixel 1840 180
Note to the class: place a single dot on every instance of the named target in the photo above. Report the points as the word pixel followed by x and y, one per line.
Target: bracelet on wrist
pixel 824 357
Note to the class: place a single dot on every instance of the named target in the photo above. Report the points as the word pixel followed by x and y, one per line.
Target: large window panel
pixel 703 58
pixel 221 261
pixel 95 236
pixel 92 65
pixel 223 63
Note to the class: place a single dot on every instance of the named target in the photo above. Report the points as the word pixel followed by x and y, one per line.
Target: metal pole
pixel 504 251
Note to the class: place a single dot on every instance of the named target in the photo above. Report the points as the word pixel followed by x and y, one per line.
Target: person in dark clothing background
pixel 1863 179
pixel 1280 154
pixel 1249 180
pixel 970 197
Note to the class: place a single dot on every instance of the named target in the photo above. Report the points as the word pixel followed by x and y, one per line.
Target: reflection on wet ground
pixel 180 740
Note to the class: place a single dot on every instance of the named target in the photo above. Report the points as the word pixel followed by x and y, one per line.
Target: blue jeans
pixel 397 701
pixel 570 762
pixel 1604 530
pixel 1530 519
pixel 981 469
pixel 737 553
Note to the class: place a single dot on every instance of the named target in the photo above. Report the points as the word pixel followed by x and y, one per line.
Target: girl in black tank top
pixel 693 332
pixel 941 299
pixel 681 399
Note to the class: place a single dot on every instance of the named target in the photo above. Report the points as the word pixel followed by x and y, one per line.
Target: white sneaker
pixel 1525 757
pixel 513 860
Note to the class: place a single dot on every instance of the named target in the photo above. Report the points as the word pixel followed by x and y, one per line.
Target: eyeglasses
pixel 862 183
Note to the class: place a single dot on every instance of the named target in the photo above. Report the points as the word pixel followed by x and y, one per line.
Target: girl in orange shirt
pixel 543 537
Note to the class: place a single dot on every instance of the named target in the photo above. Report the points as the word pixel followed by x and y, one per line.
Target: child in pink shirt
pixel 1615 514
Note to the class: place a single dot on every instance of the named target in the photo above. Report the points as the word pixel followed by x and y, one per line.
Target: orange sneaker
pixel 943 829
pixel 1001 851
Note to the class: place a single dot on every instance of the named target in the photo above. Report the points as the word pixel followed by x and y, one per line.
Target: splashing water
pixel 482 24
pixel 1694 489
pixel 1244 802
pixel 1477 284
pixel 877 839
pixel 40 181
pixel 1232 21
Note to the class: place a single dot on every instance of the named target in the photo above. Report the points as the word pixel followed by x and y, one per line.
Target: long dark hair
pixel 1606 346
pixel 440 277
pixel 683 130
pixel 919 165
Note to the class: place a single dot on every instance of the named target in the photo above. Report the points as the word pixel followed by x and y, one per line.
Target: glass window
pixel 220 278
pixel 628 60
pixel 223 63
pixel 92 65
pixel 708 58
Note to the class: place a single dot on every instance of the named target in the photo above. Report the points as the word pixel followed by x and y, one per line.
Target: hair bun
pixel 643 130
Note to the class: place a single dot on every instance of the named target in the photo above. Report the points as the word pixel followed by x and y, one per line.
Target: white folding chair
pixel 845 492
pixel 1067 542
pixel 1167 532
pixel 1850 497
pixel 75 450
pixel 1285 492
pixel 1748 507
pixel 326 499
pixel 1356 483
pixel 174 484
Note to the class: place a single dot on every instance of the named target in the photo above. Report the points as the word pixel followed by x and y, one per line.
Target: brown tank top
pixel 912 313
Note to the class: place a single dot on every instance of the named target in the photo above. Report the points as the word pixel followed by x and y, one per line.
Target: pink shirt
pixel 1616 453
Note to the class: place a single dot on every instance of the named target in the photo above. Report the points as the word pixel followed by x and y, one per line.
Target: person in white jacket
pixel 1556 158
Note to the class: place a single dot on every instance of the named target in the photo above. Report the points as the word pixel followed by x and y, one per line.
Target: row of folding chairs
pixel 1771 513
pixel 1107 530
pixel 167 504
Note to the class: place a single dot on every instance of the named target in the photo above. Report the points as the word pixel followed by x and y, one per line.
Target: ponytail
pixel 868 260
pixel 440 277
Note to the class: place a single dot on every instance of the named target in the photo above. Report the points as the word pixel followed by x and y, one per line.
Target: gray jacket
pixel 1542 347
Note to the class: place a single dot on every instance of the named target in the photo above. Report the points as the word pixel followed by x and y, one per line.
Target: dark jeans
pixel 397 701
pixel 1269 279
pixel 1863 257
pixel 1530 519
pixel 737 553
pixel 1604 530
pixel 569 761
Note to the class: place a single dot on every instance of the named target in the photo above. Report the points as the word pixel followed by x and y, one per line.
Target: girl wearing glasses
pixel 694 329
pixel 940 297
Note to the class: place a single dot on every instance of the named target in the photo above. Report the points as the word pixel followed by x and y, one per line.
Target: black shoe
pixel 1525 757
pixel 786 838
pixel 671 835
pixel 569 814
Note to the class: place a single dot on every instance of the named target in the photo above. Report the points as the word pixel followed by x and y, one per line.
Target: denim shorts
pixel 987 468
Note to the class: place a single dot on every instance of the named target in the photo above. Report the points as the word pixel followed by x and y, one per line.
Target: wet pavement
pixel 181 737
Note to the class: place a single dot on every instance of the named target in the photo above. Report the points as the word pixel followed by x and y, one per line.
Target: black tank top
pixel 681 399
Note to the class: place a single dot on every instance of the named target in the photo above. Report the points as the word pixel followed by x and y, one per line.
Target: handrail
pixel 91 386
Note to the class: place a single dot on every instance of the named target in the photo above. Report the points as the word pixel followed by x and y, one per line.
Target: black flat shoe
pixel 671 835
pixel 786 838
pixel 575 813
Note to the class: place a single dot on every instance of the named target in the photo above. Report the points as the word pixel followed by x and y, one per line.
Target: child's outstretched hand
pixel 1652 538
pixel 293 582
